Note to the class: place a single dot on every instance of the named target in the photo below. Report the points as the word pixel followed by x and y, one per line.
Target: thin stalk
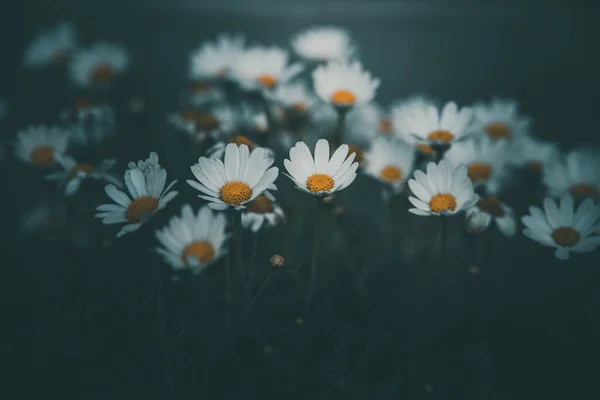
pixel 315 256
pixel 228 288
pixel 339 129
pixel 263 286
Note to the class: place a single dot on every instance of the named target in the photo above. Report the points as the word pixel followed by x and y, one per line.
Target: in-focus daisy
pixel 578 174
pixel 218 149
pixel 73 173
pixel 442 191
pixel 39 145
pixel 390 161
pixel 98 65
pixel 151 163
pixel 486 161
pixel 321 175
pixel 324 44
pixel 260 68
pixel 193 241
pixel 500 120
pixel 535 154
pixel 564 227
pixel 497 211
pixel 214 60
pixel 241 177
pixel 52 47
pixel 260 211
pixel 147 195
pixel 344 84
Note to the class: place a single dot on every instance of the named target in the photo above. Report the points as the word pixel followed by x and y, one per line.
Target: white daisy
pixel 497 211
pixel 263 68
pixel 500 120
pixel 526 151
pixel 321 176
pixel 324 44
pixel 218 149
pixel 294 96
pixel 443 191
pixel 147 195
pixel 403 111
pixel 215 60
pixel 477 221
pixel 39 145
pixel 98 65
pixel 362 124
pixel 239 178
pixel 578 174
pixel 390 161
pixel 73 173
pixel 260 211
pixel 486 161
pixel 147 165
pixel 51 47
pixel 201 124
pixel 344 84
pixel 193 241
pixel 89 121
pixel 565 228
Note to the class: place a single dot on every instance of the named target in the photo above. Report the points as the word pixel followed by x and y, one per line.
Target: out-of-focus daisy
pixel 565 228
pixel 295 98
pixel 218 149
pixel 202 93
pixel 477 221
pixel 260 68
pixel 497 211
pixel 73 173
pixel 321 175
pixel 147 195
pixel 39 145
pixel 241 177
pixel 137 104
pixel 201 124
pixel 362 124
pixel 37 218
pixel 535 154
pixel 98 65
pixel 485 160
pixel 193 241
pixel 215 60
pixel 51 47
pixel 84 108
pixel 390 161
pixel 578 174
pixel 500 120
pixel 3 109
pixel 442 191
pixel 260 211
pixel 344 84
pixel 324 44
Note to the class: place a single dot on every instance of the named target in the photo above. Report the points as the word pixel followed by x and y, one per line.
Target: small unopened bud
pixel 277 261
pixel 299 321
pixel 477 221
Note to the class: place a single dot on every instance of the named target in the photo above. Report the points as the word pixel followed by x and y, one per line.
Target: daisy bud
pixel 277 261
pixel 477 222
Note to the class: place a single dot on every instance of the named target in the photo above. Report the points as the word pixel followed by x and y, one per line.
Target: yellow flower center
pixel 385 126
pixel 102 73
pixel 584 190
pixel 319 183
pixel 442 202
pixel 240 140
pixel 235 193
pixel 391 173
pixel 360 155
pixel 260 205
pixel 199 87
pixel 442 136
pixel 425 149
pixel 85 168
pixel 478 172
pixel 81 103
pixel 268 81
pixel 42 156
pixel 566 236
pixel 202 250
pixel 498 130
pixel 141 209
pixel 343 98
pixel 492 206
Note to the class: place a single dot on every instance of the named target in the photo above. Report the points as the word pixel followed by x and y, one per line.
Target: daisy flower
pixel 485 160
pixel 193 241
pixel 293 96
pixel 73 173
pixel 201 124
pixel 442 191
pixel 476 221
pixel 323 44
pixel 147 195
pixel 147 165
pixel 215 60
pixel 218 149
pixel 51 47
pixel 38 145
pixel 526 151
pixel 362 124
pixel 390 161
pixel 241 177
pixel 344 84
pixel 578 174
pixel 263 68
pixel 496 211
pixel 500 120
pixel 98 65
pixel 260 211
pixel 202 93
pixel 89 121
pixel 321 176
pixel 564 227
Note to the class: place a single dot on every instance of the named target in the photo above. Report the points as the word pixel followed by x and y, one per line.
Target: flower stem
pixel 339 129
pixel 315 256
pixel 263 286
pixel 228 288
pixel 164 332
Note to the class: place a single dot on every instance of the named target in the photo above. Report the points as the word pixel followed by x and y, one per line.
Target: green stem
pixel 315 255
pixel 228 287
pixel 339 129
pixel 263 286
